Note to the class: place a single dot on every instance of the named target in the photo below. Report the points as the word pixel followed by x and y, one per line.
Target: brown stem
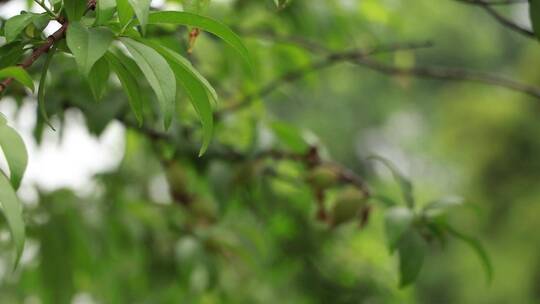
pixel 44 48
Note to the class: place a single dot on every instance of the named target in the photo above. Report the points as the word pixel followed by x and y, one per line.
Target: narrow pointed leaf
pixel 104 11
pixel 42 84
pixel 15 153
pixel 397 221
pixel 129 83
pixel 207 24
pixel 12 210
pixel 411 250
pixel 75 9
pixel 477 247
pixel 158 73
pixel 88 45
pixel 98 78
pixel 125 12
pixel 141 8
pixel 404 183
pixel 195 89
pixel 18 74
pixel 441 206
pixel 534 10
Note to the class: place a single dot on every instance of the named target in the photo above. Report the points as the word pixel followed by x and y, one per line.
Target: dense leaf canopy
pixel 276 151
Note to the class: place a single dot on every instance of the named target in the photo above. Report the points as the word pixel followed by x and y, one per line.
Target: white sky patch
pixel 68 162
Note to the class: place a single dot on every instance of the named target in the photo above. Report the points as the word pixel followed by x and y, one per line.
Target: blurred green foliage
pixel 229 230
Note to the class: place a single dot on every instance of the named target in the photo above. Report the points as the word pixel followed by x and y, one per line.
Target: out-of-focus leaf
pixel 404 183
pixel 12 210
pixel 281 3
pixel 477 247
pixel 129 83
pixel 534 10
pixel 290 136
pixel 98 78
pixel 75 9
pixel 141 8
pixel 18 74
pixel 42 84
pixel 397 221
pixel 210 25
pixel 196 90
pixel 88 45
pixel 387 201
pixel 411 249
pixel 10 54
pixel 158 73
pixel 440 206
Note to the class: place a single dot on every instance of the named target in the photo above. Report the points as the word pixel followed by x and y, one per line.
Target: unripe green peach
pixel 348 205
pixel 323 177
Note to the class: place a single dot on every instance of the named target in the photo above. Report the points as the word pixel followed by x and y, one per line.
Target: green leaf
pixel 15 25
pixel 10 54
pixel 207 24
pixel 125 12
pixel 385 200
pixel 477 247
pixel 411 249
pixel 404 183
pixel 141 8
pixel 15 153
pixel 290 136
pixel 75 9
pixel 158 73
pixel 12 210
pixel 281 3
pixel 88 45
pixel 18 74
pixel 397 221
pixel 196 89
pixel 441 206
pixel 42 84
pixel 129 83
pixel 104 11
pixel 98 78
pixel 534 10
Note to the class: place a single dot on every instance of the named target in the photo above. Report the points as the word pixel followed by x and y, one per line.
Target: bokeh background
pixel 104 229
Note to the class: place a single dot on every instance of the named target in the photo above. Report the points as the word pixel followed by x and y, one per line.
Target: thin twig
pixel 453 74
pixel 328 61
pixel 44 48
pixel 487 6
pixel 362 57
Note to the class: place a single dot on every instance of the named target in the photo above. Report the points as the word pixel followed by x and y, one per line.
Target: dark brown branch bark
pixel 44 48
